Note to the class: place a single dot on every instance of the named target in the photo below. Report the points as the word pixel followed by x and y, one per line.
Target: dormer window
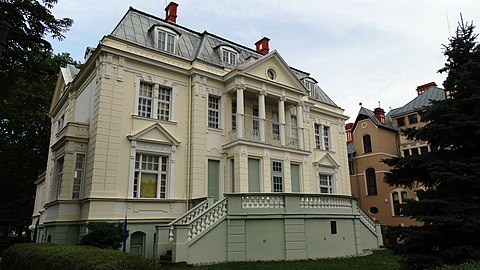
pixel 310 85
pixel 165 38
pixel 166 41
pixel 228 55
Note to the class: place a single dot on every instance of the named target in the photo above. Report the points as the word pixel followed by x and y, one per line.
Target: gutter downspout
pixel 189 139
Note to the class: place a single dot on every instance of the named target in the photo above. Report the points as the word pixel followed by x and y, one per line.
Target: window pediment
pixel 155 134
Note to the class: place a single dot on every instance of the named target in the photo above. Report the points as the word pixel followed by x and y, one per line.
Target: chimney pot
pixel 380 114
pixel 262 45
pixel 424 87
pixel 171 12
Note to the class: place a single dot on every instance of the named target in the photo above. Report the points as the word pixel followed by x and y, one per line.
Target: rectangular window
pixel 213 111
pixel 295 177
pixel 412 119
pixel 325 183
pixel 255 123
pixel 424 150
pixel 164 99
pixel 333 227
pixel 311 88
pixel 145 100
pixel 401 121
pixel 166 41
pixel 78 175
pixel 275 126
pixel 326 138
pixel 322 137
pixel 414 151
pixel 229 57
pixel 277 176
pixel 318 138
pixel 234 115
pixel 150 179
pixel 61 123
pixel 294 129
pixel 58 177
pixel 351 167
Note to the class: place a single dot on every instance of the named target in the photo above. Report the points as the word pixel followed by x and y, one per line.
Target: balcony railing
pixel 252 132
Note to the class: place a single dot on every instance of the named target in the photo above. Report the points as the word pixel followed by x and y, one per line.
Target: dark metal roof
pixel 422 100
pixel 366 113
pixel 136 27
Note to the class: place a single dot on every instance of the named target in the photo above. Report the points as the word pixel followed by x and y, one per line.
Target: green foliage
pixel 465 266
pixel 58 257
pixel 25 99
pixel 103 235
pixel 449 208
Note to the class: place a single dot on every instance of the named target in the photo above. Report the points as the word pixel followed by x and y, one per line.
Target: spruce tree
pixel 448 202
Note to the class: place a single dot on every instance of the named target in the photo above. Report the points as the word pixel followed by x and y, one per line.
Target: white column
pixel 281 120
pixel 240 112
pixel 261 114
pixel 300 126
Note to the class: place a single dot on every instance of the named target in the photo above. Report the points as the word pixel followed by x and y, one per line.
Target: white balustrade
pixel 258 201
pixel 366 219
pixel 325 202
pixel 207 219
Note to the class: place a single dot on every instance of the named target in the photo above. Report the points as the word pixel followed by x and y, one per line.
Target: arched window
pixel 367 144
pixel 137 240
pixel 399 197
pixel 371 182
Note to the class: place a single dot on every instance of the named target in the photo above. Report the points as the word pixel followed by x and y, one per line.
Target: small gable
pixel 326 161
pixel 155 134
pixel 272 67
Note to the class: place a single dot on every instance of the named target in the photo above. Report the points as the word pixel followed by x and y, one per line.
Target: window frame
pixel 401 121
pixel 153 106
pixel 371 182
pixel 214 121
pixel 322 137
pixel 229 57
pixel 77 188
pixel 367 145
pixel 277 174
pixel 330 183
pixel 169 45
pixel 59 172
pixel 159 172
pixel 413 117
pixel 396 203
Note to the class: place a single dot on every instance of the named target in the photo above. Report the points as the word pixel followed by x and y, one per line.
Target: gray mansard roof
pixel 422 100
pixel 136 27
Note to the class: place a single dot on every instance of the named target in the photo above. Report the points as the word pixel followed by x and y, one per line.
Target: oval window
pixel 271 74
pixel 373 210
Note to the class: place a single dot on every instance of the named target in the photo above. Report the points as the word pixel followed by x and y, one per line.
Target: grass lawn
pixel 380 259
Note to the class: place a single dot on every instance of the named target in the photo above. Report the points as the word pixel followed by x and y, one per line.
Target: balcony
pixel 295 138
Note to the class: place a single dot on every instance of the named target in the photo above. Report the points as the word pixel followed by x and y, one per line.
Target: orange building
pixel 375 136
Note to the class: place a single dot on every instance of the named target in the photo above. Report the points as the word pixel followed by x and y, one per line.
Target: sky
pixel 360 51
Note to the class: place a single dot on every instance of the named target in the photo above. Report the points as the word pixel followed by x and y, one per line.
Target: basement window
pixel 333 227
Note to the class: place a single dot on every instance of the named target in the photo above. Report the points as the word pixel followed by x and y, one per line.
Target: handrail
pixel 210 216
pixel 187 217
pixel 367 220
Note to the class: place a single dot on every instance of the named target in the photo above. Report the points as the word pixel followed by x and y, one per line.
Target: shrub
pixel 465 266
pixel 35 256
pixel 103 235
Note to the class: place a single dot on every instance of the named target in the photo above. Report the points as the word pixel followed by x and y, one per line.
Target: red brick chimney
pixel 171 12
pixel 262 45
pixel 348 130
pixel 380 114
pixel 424 87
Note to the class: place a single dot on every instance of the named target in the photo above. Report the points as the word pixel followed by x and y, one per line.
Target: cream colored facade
pixel 144 134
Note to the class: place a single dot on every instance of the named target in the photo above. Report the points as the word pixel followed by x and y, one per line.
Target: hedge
pixel 35 256
pixel 465 266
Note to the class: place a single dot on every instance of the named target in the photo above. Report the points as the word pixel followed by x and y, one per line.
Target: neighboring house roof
pixel 422 100
pixel 351 148
pixel 366 113
pixel 137 27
